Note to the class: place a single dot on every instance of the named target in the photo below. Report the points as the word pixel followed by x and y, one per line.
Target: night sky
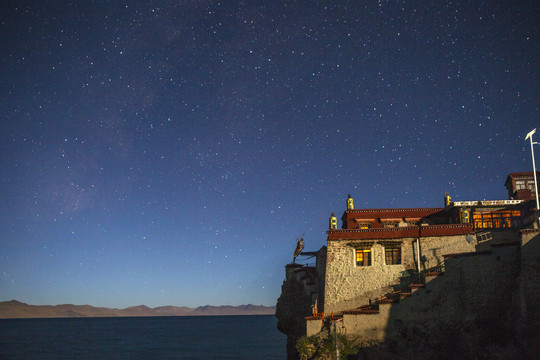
pixel 171 152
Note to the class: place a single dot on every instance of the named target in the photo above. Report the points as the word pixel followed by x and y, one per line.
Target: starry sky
pixel 172 152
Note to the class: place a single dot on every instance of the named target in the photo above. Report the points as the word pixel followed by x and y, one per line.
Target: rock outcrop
pixel 292 306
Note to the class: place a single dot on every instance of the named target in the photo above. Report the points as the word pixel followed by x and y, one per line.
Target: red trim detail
pixel 400 232
pixel 529 231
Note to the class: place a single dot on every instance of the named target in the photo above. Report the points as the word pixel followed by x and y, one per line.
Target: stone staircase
pixel 378 307
pixel 423 300
pixel 419 281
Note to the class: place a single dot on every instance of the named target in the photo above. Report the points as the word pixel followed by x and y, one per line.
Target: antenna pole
pixel 336 341
pixel 529 136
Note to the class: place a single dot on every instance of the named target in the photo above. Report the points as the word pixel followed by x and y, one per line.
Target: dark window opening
pixel 392 255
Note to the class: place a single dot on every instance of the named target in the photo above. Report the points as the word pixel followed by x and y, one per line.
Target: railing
pixel 322 316
pixel 307 264
pixel 435 269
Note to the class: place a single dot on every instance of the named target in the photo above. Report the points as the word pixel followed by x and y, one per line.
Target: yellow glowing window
pixel 363 257
pixel 363 225
pixel 497 219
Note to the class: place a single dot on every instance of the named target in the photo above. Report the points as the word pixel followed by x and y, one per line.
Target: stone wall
pixel 371 327
pixel 432 249
pixel 476 287
pixel 321 275
pixel 348 286
pixel 530 281
pixel 313 326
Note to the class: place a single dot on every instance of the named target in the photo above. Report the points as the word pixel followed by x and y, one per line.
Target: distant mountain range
pixel 17 309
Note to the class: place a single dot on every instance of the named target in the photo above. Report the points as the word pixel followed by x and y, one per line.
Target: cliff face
pixel 292 306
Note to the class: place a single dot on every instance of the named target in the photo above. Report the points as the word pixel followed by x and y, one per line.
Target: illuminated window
pixel 364 225
pixel 363 257
pixel 392 255
pixel 520 185
pixel 390 224
pixel 497 219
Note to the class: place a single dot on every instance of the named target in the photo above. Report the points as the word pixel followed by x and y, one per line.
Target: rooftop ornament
pixel 299 248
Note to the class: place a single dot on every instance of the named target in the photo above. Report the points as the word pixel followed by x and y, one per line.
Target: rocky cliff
pixel 292 306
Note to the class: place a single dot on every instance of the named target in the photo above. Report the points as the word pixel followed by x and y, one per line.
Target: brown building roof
pixel 517 175
pixel 400 232
pixel 352 217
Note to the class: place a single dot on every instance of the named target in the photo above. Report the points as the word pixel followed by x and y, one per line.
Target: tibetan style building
pixel 387 271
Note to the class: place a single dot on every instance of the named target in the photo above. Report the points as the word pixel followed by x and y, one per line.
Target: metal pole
pixel 535 183
pixel 529 135
pixel 418 253
pixel 335 341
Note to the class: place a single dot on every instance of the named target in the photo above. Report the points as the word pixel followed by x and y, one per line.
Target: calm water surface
pixel 200 337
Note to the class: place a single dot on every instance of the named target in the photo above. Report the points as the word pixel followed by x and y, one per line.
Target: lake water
pixel 200 337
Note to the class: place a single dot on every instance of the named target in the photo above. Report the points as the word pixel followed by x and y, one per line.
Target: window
pixel 390 224
pixel 364 225
pixel 392 255
pixel 484 237
pixel 363 257
pixel 497 219
pixel 520 185
pixel 530 184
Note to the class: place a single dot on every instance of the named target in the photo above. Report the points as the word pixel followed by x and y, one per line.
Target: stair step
pixel 388 301
pixel 433 273
pixel 362 312
pixel 417 286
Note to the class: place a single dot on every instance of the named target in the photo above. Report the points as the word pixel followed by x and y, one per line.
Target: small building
pixel 521 185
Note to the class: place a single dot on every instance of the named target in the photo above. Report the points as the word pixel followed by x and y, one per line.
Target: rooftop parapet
pixel 400 232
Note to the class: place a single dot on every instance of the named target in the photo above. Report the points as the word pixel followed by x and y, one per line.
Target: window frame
pixel 395 255
pixel 362 262
pixel 497 219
